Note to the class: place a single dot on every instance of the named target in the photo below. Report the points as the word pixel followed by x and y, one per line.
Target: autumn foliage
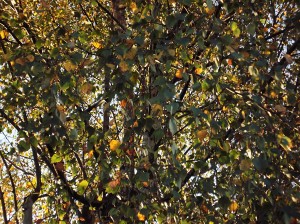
pixel 115 111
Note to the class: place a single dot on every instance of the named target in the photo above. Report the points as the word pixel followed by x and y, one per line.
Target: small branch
pixel 8 62
pixel 19 168
pixel 85 13
pixel 279 32
pixel 10 31
pixel 282 62
pixel 184 90
pixel 3 207
pixel 11 121
pixel 12 186
pixel 111 15
pixel 94 105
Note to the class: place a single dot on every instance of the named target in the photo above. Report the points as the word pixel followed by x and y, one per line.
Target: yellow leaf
pixel 171 52
pixel 133 7
pixel 233 206
pixel 69 66
pixel 86 88
pixel 179 73
pixel 30 58
pixel 97 45
pixel 198 71
pixel 3 34
pixel 280 108
pixel 131 53
pixel 210 11
pixel 114 145
pixel 87 62
pixel 62 114
pixel 245 165
pixel 157 109
pixel 111 66
pixel 141 217
pixel 201 134
pixel 288 58
pixel 273 94
pixel 100 197
pixel 20 61
pixel 285 142
pixel 123 66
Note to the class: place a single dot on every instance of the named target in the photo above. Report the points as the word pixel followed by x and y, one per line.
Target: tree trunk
pixel 27 209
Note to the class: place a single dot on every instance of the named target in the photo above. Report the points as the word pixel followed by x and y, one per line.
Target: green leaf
pixel 142 176
pixel 174 149
pixel 205 85
pixel 172 108
pixel 209 3
pixel 251 28
pixel 237 32
pixel 56 158
pixel 73 134
pixel 23 146
pixel 81 187
pixel 260 163
pixel 285 142
pixel 33 141
pixel 233 26
pixel 172 125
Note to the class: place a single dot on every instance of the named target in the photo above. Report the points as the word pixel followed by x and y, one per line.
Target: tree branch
pixel 10 31
pixel 282 63
pixel 11 121
pixel 3 206
pixel 111 15
pixel 279 32
pixel 12 186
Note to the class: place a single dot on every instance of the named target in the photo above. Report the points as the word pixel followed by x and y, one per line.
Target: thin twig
pixel 111 15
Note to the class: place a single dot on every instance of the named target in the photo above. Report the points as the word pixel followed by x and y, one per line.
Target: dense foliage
pixel 162 111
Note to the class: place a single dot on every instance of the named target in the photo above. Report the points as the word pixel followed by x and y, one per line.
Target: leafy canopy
pixel 166 111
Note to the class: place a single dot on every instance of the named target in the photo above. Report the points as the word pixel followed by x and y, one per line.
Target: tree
pixel 166 111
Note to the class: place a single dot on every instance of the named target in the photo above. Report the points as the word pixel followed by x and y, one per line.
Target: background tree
pixel 170 111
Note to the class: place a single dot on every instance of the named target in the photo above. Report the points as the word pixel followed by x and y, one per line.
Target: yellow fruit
pixel 114 145
pixel 179 73
pixel 201 134
pixel 233 206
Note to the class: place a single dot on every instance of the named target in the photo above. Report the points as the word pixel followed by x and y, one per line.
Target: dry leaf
pixel 69 66
pixel 288 58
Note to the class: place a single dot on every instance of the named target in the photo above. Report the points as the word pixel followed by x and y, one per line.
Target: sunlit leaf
pixel 3 34
pixel 81 186
pixel 97 45
pixel 56 158
pixel 285 142
pixel 69 66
